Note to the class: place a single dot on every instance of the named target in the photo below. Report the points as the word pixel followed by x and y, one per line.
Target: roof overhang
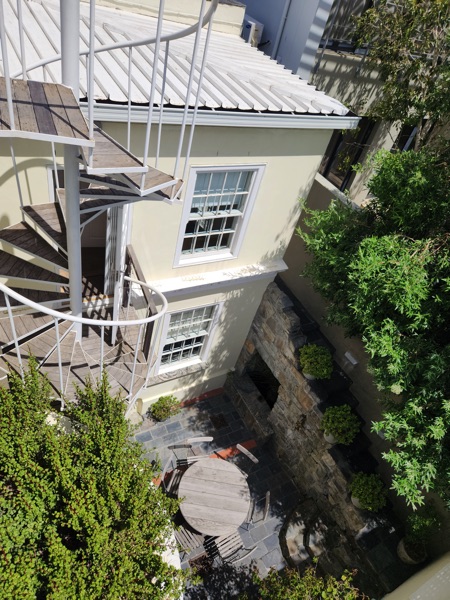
pixel 214 118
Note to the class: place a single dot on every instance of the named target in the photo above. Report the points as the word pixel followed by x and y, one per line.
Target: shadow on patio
pixel 217 416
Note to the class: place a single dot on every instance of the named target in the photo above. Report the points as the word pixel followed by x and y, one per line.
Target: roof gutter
pixel 173 116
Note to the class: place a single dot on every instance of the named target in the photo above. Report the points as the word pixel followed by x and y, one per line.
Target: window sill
pixel 177 373
pixel 204 259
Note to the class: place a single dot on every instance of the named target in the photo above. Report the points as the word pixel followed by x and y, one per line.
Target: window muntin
pixel 219 202
pixel 187 335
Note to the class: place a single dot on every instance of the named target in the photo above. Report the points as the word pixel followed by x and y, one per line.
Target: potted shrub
pixel 368 492
pixel 340 425
pixel 164 407
pixel 316 362
pixel 420 526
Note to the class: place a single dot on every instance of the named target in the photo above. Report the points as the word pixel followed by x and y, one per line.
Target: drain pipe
pixel 284 15
pixel 70 65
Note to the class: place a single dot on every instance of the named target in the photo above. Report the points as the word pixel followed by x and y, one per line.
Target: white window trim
pixel 161 369
pixel 230 253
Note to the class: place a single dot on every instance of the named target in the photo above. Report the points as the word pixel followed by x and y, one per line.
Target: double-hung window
pixel 217 207
pixel 186 336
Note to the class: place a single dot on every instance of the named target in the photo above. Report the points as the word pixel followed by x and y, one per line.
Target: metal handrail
pixel 85 321
pixel 101 323
pixel 142 42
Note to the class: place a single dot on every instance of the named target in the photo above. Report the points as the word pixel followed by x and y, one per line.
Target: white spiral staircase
pixel 35 286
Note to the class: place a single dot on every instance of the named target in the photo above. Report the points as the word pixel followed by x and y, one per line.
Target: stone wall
pixel 276 334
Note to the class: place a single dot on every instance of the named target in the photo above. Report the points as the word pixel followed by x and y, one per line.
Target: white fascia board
pixel 215 280
pixel 118 113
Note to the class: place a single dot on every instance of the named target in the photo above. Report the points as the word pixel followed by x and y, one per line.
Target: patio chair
pixel 165 471
pixel 230 549
pixel 197 441
pixel 254 516
pixel 247 453
pixel 174 482
pixel 188 541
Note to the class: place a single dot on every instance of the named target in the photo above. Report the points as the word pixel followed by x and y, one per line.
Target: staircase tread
pixel 39 346
pixel 153 178
pixel 47 110
pixel 23 324
pixel 108 153
pixel 17 268
pixel 25 237
pixel 38 296
pixel 50 219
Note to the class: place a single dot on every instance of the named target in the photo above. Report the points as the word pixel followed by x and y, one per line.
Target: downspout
pixel 284 15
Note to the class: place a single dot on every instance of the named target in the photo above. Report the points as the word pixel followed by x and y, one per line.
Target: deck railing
pixel 160 43
pixel 102 324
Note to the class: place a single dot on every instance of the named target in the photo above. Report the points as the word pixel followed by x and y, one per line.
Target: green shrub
pixel 164 407
pixel 369 490
pixel 80 518
pixel 316 361
pixel 341 423
pixel 420 526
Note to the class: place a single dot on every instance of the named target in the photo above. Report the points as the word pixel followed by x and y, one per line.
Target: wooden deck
pixel 43 111
pixel 79 361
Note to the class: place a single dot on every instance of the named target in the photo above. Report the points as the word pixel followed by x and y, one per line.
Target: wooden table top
pixel 216 498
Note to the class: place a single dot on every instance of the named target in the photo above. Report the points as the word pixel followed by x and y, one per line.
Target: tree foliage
pixel 385 270
pixel 409 44
pixel 307 586
pixel 79 515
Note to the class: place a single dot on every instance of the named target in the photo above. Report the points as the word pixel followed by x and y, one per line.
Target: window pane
pixel 186 335
pixel 216 194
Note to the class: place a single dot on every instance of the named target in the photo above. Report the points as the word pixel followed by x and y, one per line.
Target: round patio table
pixel 215 495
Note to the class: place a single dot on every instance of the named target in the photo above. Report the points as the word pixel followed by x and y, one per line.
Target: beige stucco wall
pixel 237 311
pixel 291 158
pixel 32 157
pixel 345 77
pixel 228 18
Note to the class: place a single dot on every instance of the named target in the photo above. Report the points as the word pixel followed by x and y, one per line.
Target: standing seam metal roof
pixel 237 76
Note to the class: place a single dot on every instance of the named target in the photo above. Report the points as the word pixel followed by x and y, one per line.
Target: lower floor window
pixel 187 334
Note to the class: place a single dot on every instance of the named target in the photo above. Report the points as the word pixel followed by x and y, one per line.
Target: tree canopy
pixel 306 586
pixel 409 44
pixel 385 270
pixel 79 515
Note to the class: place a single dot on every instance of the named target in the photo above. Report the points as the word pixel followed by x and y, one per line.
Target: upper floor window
pixel 344 151
pixel 217 207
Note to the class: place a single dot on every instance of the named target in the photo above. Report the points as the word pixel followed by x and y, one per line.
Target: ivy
pixel 79 515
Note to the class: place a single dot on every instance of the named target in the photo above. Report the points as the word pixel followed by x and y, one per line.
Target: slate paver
pixel 194 421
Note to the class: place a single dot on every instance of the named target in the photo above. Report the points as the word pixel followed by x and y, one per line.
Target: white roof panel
pixel 237 76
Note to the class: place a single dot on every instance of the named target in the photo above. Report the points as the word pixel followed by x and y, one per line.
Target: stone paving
pixel 216 416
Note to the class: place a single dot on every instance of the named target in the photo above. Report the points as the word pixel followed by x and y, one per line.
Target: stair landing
pixel 43 111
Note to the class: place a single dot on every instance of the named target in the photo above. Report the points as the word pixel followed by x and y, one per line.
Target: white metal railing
pixel 161 44
pixel 102 324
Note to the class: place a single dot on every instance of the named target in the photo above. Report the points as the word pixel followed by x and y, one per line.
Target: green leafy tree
pixel 79 515
pixel 385 270
pixel 279 585
pixel 409 44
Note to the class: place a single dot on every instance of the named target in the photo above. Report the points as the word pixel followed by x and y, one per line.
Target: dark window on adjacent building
pixel 344 151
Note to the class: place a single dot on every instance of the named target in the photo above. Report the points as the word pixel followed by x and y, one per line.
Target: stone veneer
pixel 294 421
